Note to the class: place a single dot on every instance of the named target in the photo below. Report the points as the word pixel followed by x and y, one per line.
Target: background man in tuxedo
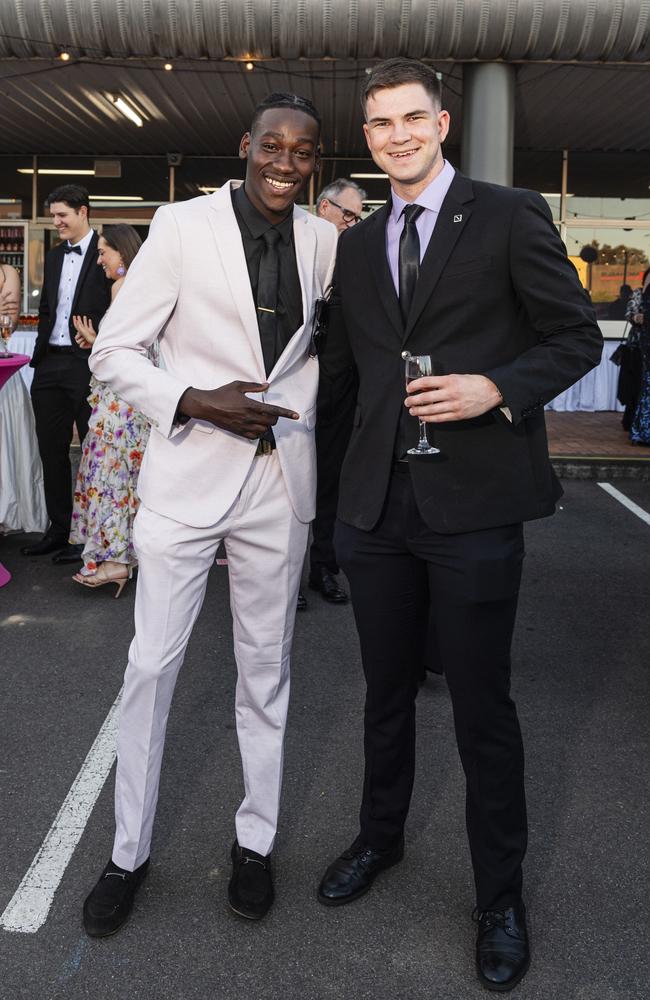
pixel 231 281
pixel 74 284
pixel 341 203
pixel 474 275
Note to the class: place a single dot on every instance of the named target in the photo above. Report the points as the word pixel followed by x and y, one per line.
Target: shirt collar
pixel 255 222
pixel 433 195
pixel 84 243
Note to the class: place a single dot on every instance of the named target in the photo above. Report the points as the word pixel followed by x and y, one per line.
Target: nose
pixel 400 133
pixel 284 162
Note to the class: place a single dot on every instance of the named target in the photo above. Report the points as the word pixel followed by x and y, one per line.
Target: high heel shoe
pixel 103 575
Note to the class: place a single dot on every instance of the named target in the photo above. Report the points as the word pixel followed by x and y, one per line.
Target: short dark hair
pixel 124 239
pixel 73 195
pixel 397 71
pixel 291 101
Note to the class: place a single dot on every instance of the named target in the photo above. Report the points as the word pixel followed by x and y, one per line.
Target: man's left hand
pixel 438 399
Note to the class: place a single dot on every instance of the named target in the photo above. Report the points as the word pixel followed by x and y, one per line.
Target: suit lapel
pixel 375 236
pixel 90 259
pixel 454 215
pixel 54 280
pixel 233 260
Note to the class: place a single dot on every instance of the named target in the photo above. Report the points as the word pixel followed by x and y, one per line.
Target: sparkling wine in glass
pixel 5 332
pixel 416 366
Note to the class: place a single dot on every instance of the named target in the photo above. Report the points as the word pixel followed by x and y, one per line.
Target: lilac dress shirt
pixel 431 200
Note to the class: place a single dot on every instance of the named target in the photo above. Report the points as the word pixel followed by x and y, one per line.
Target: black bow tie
pixel 69 249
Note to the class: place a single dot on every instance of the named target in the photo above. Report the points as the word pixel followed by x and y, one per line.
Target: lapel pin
pixel 458 218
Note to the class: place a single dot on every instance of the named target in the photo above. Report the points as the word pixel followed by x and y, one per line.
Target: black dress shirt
pixel 252 226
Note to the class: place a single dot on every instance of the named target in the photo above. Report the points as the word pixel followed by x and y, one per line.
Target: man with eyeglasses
pixel 341 203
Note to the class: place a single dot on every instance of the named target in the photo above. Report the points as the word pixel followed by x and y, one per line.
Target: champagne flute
pixel 6 328
pixel 416 366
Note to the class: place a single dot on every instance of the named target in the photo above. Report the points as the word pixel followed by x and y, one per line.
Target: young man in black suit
pixel 475 276
pixel 74 285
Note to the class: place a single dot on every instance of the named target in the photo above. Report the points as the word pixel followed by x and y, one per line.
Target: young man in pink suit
pixel 227 285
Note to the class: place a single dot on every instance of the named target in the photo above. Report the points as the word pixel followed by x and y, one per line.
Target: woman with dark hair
pixel 105 500
pixel 638 313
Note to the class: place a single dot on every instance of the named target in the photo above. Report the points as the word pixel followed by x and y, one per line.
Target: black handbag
pixel 619 354
pixel 628 357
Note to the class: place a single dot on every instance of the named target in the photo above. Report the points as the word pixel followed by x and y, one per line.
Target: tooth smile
pixel 279 185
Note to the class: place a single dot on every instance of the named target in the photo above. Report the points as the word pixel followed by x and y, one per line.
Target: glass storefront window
pixel 622 257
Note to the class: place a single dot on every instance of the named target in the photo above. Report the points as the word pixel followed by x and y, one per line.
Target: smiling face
pixel 281 154
pixel 109 259
pixel 70 223
pixel 404 131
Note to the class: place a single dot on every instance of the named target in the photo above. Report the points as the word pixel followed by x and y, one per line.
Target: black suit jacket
pixel 497 296
pixel 92 297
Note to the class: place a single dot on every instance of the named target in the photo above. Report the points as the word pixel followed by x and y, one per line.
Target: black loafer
pixel 502 951
pixel 325 582
pixel 110 903
pixel 353 873
pixel 47 544
pixel 302 602
pixel 250 891
pixel 69 554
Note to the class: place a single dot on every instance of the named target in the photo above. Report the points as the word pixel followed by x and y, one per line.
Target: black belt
pixel 57 349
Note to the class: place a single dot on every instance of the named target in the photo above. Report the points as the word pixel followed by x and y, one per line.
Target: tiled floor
pixel 591 435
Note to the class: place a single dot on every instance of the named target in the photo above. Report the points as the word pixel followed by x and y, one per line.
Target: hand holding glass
pixel 417 366
pixel 6 327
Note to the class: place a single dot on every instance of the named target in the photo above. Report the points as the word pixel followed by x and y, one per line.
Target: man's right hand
pixel 229 408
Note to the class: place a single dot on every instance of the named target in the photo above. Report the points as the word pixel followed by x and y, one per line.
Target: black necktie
pixel 69 249
pixel 409 258
pixel 267 297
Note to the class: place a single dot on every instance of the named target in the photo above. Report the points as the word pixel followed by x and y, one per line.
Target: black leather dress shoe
pixel 502 952
pixel 47 544
pixel 325 582
pixel 250 891
pixel 302 602
pixel 353 873
pixel 110 903
pixel 69 554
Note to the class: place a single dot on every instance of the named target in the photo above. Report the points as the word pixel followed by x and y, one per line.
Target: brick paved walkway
pixel 591 435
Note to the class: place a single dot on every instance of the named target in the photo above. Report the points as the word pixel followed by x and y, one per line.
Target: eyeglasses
pixel 348 216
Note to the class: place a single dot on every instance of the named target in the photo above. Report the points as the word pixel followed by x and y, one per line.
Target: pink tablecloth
pixel 9 366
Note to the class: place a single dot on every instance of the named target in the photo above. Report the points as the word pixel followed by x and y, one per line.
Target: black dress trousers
pixel 399 574
pixel 59 398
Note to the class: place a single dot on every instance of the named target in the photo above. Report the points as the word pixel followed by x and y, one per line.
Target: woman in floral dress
pixel 105 500
pixel 638 313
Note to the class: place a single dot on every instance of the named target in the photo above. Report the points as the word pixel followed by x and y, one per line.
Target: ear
pixel 366 132
pixel 443 125
pixel 244 146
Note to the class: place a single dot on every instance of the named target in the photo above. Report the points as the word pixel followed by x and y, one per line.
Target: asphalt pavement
pixel 581 678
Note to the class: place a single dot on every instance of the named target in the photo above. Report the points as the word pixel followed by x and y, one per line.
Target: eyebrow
pixel 279 135
pixel 385 118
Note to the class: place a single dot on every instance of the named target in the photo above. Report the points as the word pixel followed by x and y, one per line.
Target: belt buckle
pixel 263 448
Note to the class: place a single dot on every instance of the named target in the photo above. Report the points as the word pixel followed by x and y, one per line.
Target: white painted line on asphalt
pixel 31 902
pixel 613 492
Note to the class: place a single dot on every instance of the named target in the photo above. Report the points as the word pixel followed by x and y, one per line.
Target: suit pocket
pixel 456 268
pixel 202 425
pixel 309 418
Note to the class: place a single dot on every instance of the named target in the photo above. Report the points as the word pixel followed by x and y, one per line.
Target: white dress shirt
pixel 72 264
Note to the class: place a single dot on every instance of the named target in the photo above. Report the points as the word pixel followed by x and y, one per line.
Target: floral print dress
pixel 105 499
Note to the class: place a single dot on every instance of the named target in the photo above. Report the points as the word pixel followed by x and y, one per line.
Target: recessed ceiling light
pixel 370 177
pixel 63 171
pixel 115 197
